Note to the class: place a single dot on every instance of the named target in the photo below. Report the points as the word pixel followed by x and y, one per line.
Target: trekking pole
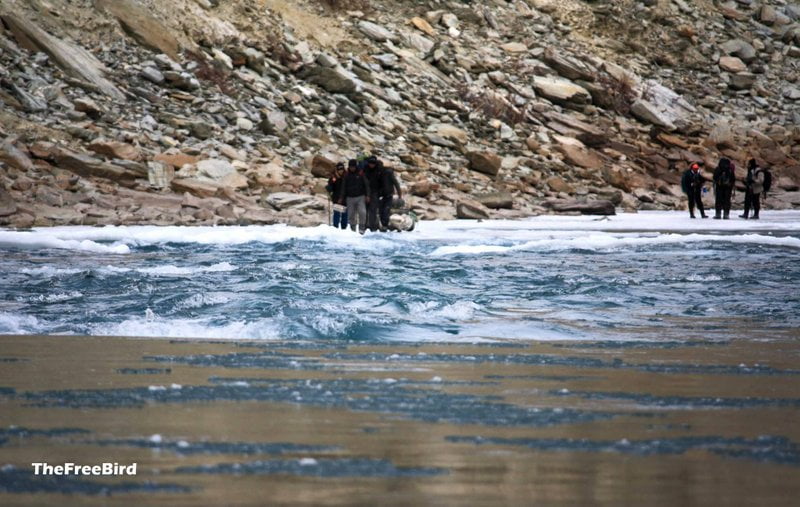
pixel 330 212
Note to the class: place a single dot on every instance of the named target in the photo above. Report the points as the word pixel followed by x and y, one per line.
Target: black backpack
pixel 767 180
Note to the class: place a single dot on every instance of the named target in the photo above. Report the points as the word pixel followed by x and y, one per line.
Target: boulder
pixel 115 149
pixel 561 90
pixel 423 25
pixel 7 205
pixel 334 79
pixel 234 180
pixel 160 175
pixel 377 32
pixel 577 154
pixel 471 210
pixel 557 184
pixel 274 123
pixel 599 207
pixel 662 107
pixel 740 48
pixel 323 164
pixel 285 200
pixel 567 66
pixel 485 162
pixel 194 187
pixel 496 200
pixel 450 132
pixel 742 81
pixel 214 169
pixel 732 64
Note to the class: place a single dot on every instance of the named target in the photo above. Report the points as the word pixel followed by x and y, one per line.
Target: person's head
pixel 372 162
pixel 339 170
pixel 724 163
pixel 751 164
pixel 352 165
pixel 695 167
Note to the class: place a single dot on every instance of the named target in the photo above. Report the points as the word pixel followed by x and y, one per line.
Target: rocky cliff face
pixel 235 111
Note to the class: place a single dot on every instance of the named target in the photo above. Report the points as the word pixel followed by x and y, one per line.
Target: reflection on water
pixel 670 422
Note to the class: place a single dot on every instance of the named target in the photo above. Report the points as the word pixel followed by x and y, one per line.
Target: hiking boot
pixel 743 216
pixel 754 217
pixel 725 216
pixel 692 216
pixel 716 217
pixel 703 216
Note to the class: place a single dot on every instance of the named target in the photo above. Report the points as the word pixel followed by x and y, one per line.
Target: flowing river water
pixel 637 359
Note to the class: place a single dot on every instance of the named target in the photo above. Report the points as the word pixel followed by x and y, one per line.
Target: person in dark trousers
pixel 388 186
pixel 692 185
pixel 754 185
pixel 372 170
pixel 356 195
pixel 335 188
pixel 724 179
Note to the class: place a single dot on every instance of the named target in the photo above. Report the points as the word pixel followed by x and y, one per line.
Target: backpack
pixel 686 181
pixel 767 180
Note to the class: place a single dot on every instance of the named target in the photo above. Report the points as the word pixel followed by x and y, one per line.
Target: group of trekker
pixel 363 194
pixel 756 183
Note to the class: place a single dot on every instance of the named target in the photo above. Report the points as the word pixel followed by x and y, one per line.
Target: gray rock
pixel 742 81
pixel 740 48
pixel 214 169
pixel 334 79
pixel 285 200
pixel 599 207
pixel 377 32
pixel 561 90
pixel 274 123
pixel 153 75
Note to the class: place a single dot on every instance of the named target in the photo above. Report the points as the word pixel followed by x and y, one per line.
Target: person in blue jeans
pixel 335 188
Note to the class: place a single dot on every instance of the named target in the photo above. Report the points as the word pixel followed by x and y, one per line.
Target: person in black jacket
pixel 356 195
pixel 754 185
pixel 692 185
pixel 335 188
pixel 372 171
pixel 724 179
pixel 388 185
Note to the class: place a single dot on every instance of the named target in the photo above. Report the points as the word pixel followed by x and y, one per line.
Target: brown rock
pixel 323 164
pixel 195 187
pixel 732 64
pixel 114 149
pixel 421 188
pixel 496 200
pixel 484 162
pixel 575 153
pixel 423 25
pixel 557 184
pixel 86 166
pixel 471 210
pixel 176 160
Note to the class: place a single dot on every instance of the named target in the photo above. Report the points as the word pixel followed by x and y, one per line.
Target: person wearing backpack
pixel 692 185
pixel 356 195
pixel 754 186
pixel 724 179
pixel 335 188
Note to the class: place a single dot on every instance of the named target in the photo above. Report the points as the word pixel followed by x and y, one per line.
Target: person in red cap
pixel 692 185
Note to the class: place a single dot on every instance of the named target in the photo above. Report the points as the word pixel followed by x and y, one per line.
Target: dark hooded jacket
pixel 355 184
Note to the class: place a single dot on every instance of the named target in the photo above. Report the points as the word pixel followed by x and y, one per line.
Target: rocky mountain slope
pixel 235 111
